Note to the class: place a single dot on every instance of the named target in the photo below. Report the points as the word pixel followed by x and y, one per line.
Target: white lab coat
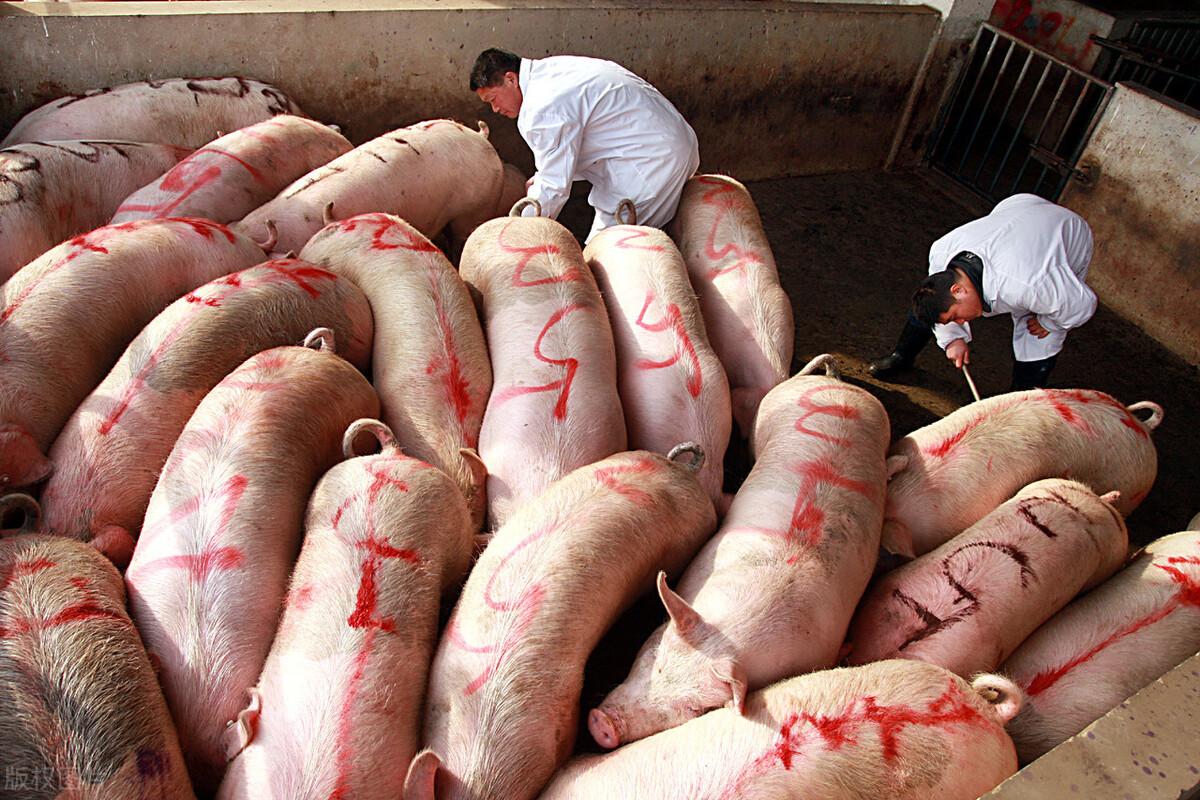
pixel 1035 258
pixel 592 120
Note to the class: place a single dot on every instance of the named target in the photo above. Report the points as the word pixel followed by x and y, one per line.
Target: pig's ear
pixel 421 781
pixel 477 502
pixel 241 731
pixel 116 544
pixel 732 675
pixel 897 539
pixel 896 464
pixel 1111 497
pixel 683 616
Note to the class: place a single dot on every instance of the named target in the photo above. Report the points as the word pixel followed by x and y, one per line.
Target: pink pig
pixel 771 595
pixel 82 714
pixel 969 603
pixel 948 475
pixel 188 112
pixel 1108 644
pixel 337 710
pixel 433 174
pixel 109 454
pixel 895 729
pixel 671 383
pixel 231 176
pixel 56 190
pixel 505 684
pixel 431 361
pixel 223 529
pixel 554 404
pixel 66 318
pixel 746 311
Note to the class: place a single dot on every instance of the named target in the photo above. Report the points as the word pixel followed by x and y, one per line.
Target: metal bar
pixel 982 111
pixel 970 95
pixel 1102 103
pixel 1020 127
pixel 1062 84
pixel 948 111
pixel 1003 116
pixel 1066 126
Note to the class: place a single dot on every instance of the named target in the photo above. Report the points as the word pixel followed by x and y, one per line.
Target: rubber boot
pixel 912 340
pixel 1031 374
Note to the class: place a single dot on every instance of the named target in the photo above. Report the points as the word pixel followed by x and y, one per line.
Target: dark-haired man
pixel 593 120
pixel 1028 258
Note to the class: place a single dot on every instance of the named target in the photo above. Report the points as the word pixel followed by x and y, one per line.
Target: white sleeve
pixel 554 141
pixel 950 331
pixel 1061 301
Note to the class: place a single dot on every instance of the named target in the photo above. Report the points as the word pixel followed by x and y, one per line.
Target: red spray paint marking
pixel 211 557
pixel 624 243
pixel 563 384
pixel 723 198
pixel 1188 594
pixel 454 383
pixel 525 606
pixel 365 615
pixel 1057 398
pixel 805 526
pixel 801 729
pixel 643 467
pixel 527 254
pixel 205 228
pixel 91 242
pixel 278 271
pixel 388 234
pixel 672 320
pixel 81 611
pixel 189 176
pixel 811 408
pixel 19 569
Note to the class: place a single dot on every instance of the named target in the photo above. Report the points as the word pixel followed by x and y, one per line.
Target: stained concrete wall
pixel 772 88
pixel 1144 209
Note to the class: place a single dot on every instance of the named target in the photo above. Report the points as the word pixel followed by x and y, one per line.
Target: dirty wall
pixel 1144 209
pixel 772 88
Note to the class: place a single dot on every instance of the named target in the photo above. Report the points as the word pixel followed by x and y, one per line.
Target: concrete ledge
pixel 772 88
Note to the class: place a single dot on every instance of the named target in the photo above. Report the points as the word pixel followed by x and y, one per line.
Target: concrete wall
pixel 1144 210
pixel 1059 27
pixel 772 88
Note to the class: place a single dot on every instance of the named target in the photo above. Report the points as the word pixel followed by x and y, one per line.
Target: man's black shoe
pixel 912 340
pixel 890 366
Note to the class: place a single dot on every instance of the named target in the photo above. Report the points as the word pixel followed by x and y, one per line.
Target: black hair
pixel 490 67
pixel 933 298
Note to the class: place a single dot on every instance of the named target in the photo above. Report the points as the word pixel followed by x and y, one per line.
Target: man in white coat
pixel 1028 258
pixel 592 120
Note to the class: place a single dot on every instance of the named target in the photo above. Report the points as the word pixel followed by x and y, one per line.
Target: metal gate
pixel 1017 120
pixel 1161 55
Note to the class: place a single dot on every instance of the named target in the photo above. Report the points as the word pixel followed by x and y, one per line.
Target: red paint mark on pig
pixel 211 556
pixel 20 569
pixel 388 234
pixel 643 467
pixel 80 611
pixel 527 254
pixel 724 199
pixel 671 320
pixel 563 384
pixel 206 228
pixel 624 243
pixel 1058 400
pixel 812 408
pixel 188 177
pixel 454 383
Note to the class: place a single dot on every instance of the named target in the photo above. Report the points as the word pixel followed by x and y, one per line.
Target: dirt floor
pixel 850 250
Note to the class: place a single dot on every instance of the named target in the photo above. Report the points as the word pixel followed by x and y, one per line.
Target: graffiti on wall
pixel 1059 27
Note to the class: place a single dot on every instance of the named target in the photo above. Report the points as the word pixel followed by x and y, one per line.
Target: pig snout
pixel 604 728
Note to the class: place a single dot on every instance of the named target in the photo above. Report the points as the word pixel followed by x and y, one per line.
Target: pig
pixel 505 683
pixel 231 176
pixel 431 361
pixel 554 404
pixel 223 528
pixel 110 452
pixel 188 112
pixel 670 381
pixel 385 536
pixel 895 729
pixel 948 475
pixel 1108 644
pixel 512 189
pixel 969 603
pixel 1194 524
pixel 67 316
pixel 433 174
pixel 746 311
pixel 82 712
pixel 771 595
pixel 51 191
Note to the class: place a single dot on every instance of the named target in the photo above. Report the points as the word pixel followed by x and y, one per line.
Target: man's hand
pixel 958 352
pixel 528 183
pixel 1036 328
